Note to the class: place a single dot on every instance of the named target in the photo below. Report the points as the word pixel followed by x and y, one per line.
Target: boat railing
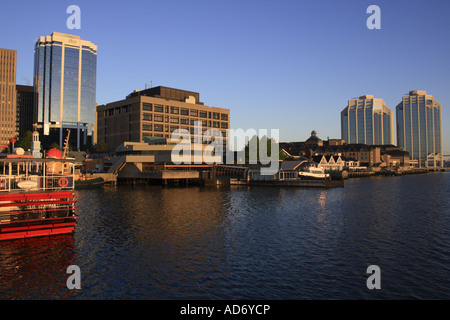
pixel 10 183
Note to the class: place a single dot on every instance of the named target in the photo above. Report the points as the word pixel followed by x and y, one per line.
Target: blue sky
pixel 288 65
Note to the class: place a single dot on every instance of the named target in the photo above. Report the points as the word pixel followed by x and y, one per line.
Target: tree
pixel 25 141
pixel 102 146
pixel 54 145
pixel 254 154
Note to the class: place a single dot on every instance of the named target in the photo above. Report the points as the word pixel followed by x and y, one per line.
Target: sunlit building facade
pixel 8 65
pixel 419 128
pixel 367 121
pixel 156 113
pixel 65 85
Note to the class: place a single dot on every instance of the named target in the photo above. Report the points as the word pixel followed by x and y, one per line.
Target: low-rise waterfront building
pixel 155 160
pixel 366 155
pixel 337 155
pixel 337 163
pixel 294 150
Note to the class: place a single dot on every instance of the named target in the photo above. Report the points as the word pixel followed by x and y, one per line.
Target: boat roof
pixel 9 160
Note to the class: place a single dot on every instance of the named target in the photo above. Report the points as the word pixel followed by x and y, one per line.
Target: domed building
pixel 314 140
pixel 302 149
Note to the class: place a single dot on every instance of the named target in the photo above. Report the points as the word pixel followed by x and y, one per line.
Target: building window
pixel 184 112
pixel 215 115
pixel 174 120
pixel 147 106
pixel 203 114
pixel 174 110
pixel 194 113
pixel 147 116
pixel 158 127
pixel 173 128
pixel 184 121
pixel 159 108
pixel 224 125
pixel 146 135
pixel 158 117
pixel 147 127
pixel 223 117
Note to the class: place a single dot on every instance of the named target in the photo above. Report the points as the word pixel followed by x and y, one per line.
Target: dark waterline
pixel 150 242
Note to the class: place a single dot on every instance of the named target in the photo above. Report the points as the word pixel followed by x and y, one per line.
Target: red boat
pixel 36 197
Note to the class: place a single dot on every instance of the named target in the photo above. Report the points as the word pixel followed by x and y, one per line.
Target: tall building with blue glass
pixel 65 71
pixel 419 128
pixel 367 121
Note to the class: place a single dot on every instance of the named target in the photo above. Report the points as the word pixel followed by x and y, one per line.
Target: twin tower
pixel 367 120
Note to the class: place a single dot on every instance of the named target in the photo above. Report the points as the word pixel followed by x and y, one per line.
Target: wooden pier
pixel 292 183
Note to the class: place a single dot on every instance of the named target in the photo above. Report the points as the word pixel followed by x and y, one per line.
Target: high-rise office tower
pixel 419 128
pixel 8 63
pixel 65 84
pixel 368 121
pixel 25 109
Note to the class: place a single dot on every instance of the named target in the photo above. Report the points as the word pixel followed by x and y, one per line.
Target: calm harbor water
pixel 150 242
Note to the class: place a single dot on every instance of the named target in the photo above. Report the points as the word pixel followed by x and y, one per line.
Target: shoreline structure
pixel 206 179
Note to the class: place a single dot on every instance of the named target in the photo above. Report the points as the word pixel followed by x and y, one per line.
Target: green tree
pixel 25 141
pixel 254 154
pixel 54 145
pixel 102 146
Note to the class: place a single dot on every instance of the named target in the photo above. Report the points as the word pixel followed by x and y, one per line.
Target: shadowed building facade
pixel 419 128
pixel 25 109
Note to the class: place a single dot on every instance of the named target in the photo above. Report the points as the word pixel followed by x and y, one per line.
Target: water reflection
pixel 36 268
pixel 148 242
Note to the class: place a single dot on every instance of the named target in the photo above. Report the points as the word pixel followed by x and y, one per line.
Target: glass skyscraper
pixel 419 128
pixel 65 85
pixel 367 121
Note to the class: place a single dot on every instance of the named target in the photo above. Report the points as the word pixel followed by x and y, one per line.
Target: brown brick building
pixel 8 65
pixel 156 112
